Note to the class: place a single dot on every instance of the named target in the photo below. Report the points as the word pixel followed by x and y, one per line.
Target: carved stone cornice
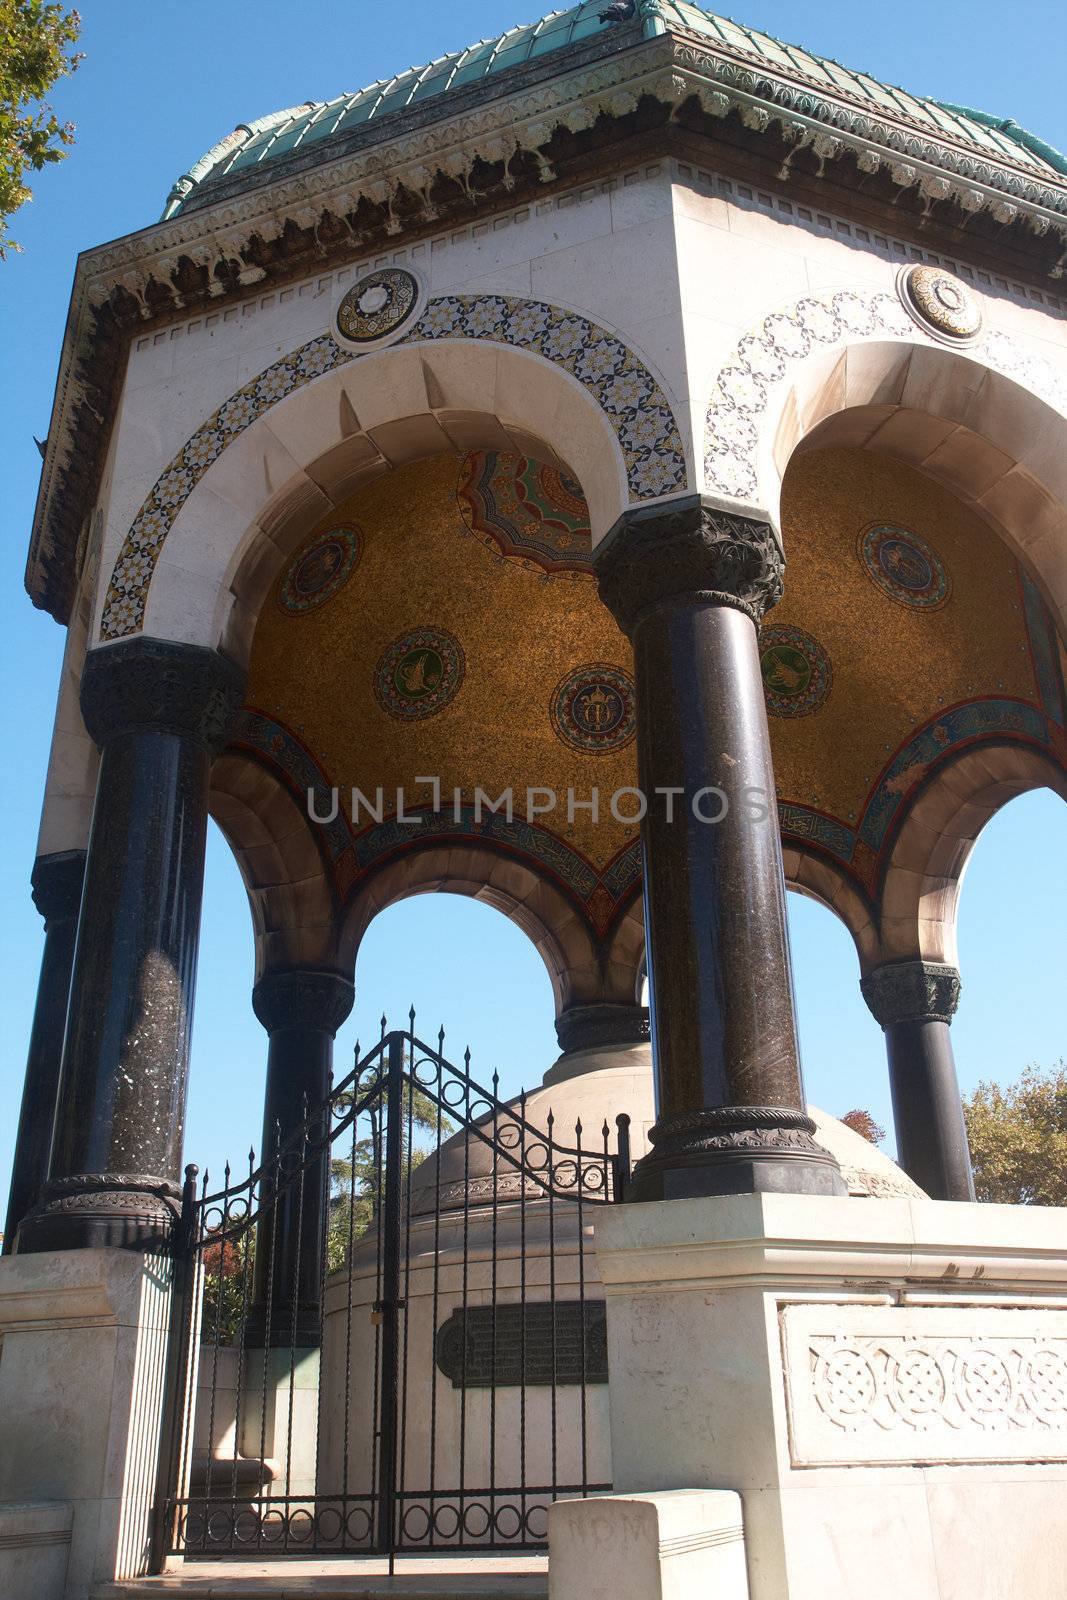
pixel 56 885
pixel 603 1025
pixel 154 685
pixel 301 997
pixel 688 549
pixel 912 991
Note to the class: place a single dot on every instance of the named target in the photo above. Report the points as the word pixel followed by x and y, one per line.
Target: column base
pixel 105 1210
pixel 735 1150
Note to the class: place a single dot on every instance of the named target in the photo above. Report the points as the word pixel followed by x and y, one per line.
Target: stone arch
pixel 921 888
pixel 817 878
pixel 300 427
pixel 852 367
pixel 292 902
pixel 580 968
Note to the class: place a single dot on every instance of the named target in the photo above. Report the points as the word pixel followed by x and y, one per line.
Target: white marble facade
pixel 697 333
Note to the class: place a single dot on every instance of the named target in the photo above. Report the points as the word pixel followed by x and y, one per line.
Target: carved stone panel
pixel 915 1385
pixel 465 1345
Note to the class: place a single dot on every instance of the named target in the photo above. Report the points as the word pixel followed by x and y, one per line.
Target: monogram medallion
pixel 419 674
pixel 904 566
pixel 797 675
pixel 594 710
pixel 320 569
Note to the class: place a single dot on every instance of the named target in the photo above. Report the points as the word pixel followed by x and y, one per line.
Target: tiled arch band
pixel 740 411
pixel 627 393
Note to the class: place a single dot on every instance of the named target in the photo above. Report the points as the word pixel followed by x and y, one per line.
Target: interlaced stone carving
pixel 303 998
pixel 878 1384
pixel 602 1025
pixel 688 549
pixel 56 884
pixel 155 685
pixel 874 1384
pixel 912 991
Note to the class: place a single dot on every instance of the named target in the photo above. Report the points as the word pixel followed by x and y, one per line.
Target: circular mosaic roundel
pixel 943 302
pixel 419 674
pixel 904 566
pixel 319 569
pixel 593 709
pixel 797 675
pixel 377 305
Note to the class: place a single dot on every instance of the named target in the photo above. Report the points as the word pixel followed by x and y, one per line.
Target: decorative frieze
pixel 911 1385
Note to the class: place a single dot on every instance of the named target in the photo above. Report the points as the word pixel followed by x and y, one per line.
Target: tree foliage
pixel 35 41
pixel 355 1174
pixel 863 1123
pixel 1018 1138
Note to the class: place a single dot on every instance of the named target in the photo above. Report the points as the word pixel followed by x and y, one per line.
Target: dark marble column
pixel 159 712
pixel 56 882
pixel 602 1025
pixel 915 1002
pixel 689 585
pixel 301 1011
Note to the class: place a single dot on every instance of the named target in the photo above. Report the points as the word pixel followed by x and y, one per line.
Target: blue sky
pixel 161 83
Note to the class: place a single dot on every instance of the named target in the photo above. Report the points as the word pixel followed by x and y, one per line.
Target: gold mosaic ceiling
pixel 445 622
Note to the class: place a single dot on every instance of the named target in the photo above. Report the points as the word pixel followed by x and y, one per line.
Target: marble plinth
pixel 885 1386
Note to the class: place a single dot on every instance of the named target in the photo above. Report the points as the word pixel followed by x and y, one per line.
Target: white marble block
pixel 670 1546
pixel 81 1400
pixel 34 1543
pixel 884 1384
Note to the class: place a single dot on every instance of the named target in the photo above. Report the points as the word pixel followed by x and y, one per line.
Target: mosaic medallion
pixel 377 305
pixel 420 673
pixel 904 566
pixel 319 569
pixel 942 302
pixel 593 709
pixel 526 509
pixel 797 675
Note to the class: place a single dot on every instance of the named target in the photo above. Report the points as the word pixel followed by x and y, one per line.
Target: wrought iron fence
pixel 386 1339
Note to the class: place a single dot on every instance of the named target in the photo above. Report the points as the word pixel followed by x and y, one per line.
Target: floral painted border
pixel 626 391
pixel 742 391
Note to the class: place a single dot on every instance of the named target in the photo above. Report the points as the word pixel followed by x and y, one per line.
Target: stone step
pixel 414 1578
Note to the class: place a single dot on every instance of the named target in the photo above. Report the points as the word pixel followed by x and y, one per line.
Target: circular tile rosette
pixel 942 302
pixel 904 566
pixel 419 674
pixel 376 306
pixel 594 710
pixel 796 671
pixel 320 569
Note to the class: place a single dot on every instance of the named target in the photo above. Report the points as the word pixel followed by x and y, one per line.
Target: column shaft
pixel 915 1001
pixel 302 1011
pixel 159 712
pixel 689 585
pixel 57 887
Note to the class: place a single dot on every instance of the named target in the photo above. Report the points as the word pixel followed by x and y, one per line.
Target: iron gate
pixel 429 1372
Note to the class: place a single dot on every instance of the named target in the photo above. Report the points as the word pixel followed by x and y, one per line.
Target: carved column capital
pixel 157 685
pixel 303 998
pixel 56 885
pixel 688 550
pixel 912 991
pixel 602 1025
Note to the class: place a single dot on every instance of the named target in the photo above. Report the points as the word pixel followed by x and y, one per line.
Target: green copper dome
pixel 316 122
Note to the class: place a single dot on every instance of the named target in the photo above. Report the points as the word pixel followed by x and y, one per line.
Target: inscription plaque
pixel 485 1347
